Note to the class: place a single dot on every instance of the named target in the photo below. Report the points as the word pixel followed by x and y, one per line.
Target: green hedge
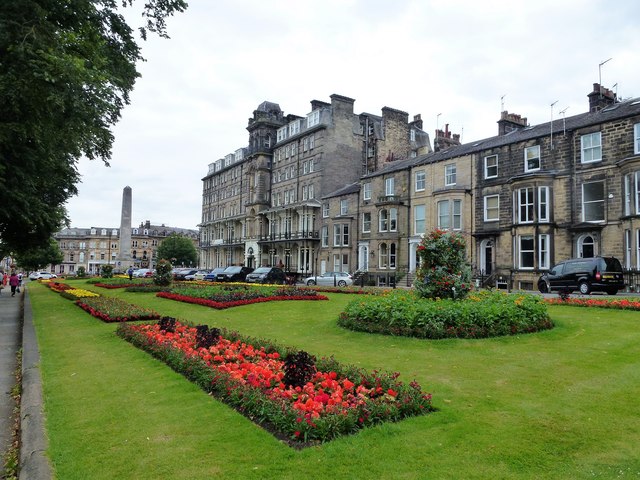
pixel 481 315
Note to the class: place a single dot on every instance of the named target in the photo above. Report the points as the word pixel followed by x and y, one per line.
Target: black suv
pixel 267 275
pixel 597 274
pixel 234 274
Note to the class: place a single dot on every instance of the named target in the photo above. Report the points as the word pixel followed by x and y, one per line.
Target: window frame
pixel 544 250
pixel 601 201
pixel 419 219
pixel 383 216
pixel 313 118
pixel 366 222
pixel 344 206
pixel 487 218
pixel 450 175
pixel 584 149
pixel 420 181
pixel 325 210
pixel 389 186
pixel 522 251
pixel 487 166
pixel 366 191
pixel 527 159
pixel 636 138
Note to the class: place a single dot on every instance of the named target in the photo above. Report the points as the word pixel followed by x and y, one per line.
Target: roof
pixel 346 190
pixel 616 111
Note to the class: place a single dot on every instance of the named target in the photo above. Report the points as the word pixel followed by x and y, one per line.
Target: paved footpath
pixel 16 331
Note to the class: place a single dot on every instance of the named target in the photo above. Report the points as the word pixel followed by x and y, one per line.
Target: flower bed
pixel 481 315
pixel 287 392
pixel 221 297
pixel 115 310
pixel 621 304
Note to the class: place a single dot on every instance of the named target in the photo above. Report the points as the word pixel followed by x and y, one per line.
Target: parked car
pixel 199 275
pixel 267 275
pixel 212 276
pixel 143 272
pixel 42 275
pixel 586 275
pixel 234 274
pixel 330 279
pixel 182 273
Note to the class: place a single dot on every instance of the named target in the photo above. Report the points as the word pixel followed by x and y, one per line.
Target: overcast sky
pixel 450 61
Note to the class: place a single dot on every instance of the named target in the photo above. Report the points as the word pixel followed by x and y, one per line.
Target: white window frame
pixel 281 134
pixel 393 219
pixel 590 202
pixel 450 174
pixel 522 251
pixel 366 191
pixel 337 234
pixel 294 128
pixel 444 217
pixel 487 166
pixel 636 187
pixel 627 249
pixel 636 138
pixel 325 235
pixel 383 220
pixel 531 154
pixel 325 210
pixel 543 204
pixel 366 222
pixel 419 219
pixel 312 142
pixel 638 248
pixel 313 118
pixel 628 193
pixel 491 212
pixel 389 186
pixel 526 205
pixel 591 147
pixel 544 251
pixel 344 206
pixel 420 181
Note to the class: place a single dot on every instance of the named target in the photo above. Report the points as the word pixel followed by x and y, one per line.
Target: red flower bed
pixel 621 304
pixel 58 287
pixel 115 310
pixel 333 401
pixel 235 303
pixel 116 285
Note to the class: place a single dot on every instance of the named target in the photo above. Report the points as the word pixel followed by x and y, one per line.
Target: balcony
pixel 389 200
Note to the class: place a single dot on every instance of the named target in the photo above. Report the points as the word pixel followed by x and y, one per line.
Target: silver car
pixel 330 279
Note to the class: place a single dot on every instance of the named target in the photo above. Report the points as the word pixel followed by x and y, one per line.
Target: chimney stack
pixel 509 122
pixel 600 98
pixel 445 139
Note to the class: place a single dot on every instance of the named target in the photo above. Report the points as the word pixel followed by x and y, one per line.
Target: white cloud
pixel 454 58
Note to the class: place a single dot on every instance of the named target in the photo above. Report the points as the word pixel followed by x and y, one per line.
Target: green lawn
pixel 561 404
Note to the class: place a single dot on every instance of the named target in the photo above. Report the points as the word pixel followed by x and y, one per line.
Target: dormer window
pixel 313 118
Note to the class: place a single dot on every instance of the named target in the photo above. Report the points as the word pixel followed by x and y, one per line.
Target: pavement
pixel 17 332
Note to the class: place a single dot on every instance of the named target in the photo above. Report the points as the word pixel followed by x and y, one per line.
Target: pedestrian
pixel 14 282
pixel 130 272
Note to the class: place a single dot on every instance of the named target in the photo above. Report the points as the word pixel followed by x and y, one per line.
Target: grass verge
pixel 557 404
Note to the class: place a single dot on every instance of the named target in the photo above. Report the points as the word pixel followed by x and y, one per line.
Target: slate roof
pixel 346 190
pixel 616 111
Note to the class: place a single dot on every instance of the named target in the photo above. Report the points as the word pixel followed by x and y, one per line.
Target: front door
pixel 486 257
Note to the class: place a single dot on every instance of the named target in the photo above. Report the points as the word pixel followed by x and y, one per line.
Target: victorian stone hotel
pixel 337 190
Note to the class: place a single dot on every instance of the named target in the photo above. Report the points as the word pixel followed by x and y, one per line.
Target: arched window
pixel 393 219
pixel 383 254
pixel 392 255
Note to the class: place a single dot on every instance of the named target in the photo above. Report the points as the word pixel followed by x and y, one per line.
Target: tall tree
pixel 66 71
pixel 39 257
pixel 178 250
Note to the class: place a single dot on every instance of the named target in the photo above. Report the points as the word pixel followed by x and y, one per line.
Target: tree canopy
pixel 66 71
pixel 39 257
pixel 178 250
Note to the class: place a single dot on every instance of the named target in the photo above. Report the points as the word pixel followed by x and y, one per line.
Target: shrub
pixel 106 271
pixel 163 275
pixel 442 272
pixel 483 314
pixel 81 272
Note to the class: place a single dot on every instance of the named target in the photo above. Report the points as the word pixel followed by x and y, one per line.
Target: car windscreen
pixel 232 270
pixel 262 270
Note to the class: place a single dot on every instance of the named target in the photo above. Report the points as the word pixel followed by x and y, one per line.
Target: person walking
pixel 130 272
pixel 14 282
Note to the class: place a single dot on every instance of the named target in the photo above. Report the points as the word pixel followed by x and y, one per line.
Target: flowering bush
pixel 621 304
pixel 115 310
pixel 442 272
pixel 482 314
pixel 333 400
pixel 226 296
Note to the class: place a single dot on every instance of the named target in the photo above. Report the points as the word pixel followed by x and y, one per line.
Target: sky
pixel 455 62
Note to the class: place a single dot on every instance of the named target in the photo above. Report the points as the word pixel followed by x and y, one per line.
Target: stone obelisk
pixel 125 260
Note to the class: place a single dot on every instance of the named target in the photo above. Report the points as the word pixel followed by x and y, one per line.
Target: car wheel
pixel 342 283
pixel 543 287
pixel 612 291
pixel 584 288
pixel 311 283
